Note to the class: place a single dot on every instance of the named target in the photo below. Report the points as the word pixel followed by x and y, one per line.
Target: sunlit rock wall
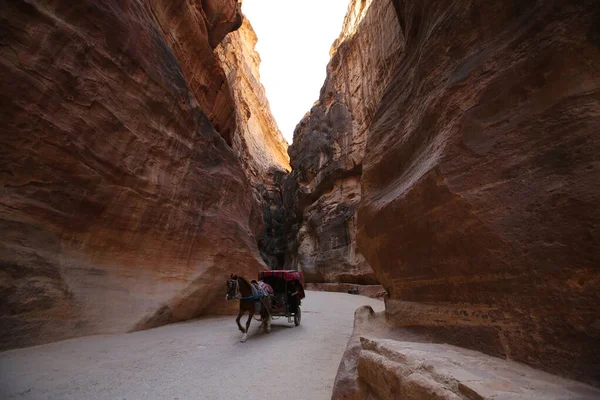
pixel 258 142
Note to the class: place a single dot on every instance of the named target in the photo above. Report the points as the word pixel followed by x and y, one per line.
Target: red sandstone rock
pixel 259 144
pixel 480 184
pixel 328 149
pixel 120 205
pixel 192 30
pixel 383 362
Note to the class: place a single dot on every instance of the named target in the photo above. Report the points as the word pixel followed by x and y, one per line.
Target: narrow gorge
pixel 324 189
pixel 449 166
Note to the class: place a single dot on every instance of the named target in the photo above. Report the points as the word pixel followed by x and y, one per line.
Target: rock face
pixel 377 368
pixel 438 371
pixel 122 206
pixel 257 140
pixel 481 183
pixel 324 188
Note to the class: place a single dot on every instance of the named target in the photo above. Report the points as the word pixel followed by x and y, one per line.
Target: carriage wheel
pixel 297 317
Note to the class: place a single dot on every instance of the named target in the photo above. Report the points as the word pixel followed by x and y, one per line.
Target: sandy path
pixel 201 359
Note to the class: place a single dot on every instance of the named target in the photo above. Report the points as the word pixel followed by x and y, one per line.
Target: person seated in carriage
pixel 293 296
pixel 262 287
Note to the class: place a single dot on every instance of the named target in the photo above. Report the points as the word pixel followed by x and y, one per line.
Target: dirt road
pixel 200 359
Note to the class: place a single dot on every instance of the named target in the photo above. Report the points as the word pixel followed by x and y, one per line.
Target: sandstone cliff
pixel 257 141
pixel 324 188
pixel 480 183
pixel 122 205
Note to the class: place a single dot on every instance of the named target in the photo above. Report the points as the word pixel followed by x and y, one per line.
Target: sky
pixel 294 38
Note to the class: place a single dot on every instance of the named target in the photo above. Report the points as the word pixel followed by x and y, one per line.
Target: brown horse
pixel 239 288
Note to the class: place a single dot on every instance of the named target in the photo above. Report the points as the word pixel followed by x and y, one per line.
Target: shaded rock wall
pixel 481 183
pixel 327 153
pixel 192 30
pixel 258 142
pixel 121 206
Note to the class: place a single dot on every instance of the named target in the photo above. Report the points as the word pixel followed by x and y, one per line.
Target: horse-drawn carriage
pixel 288 293
pixel 277 294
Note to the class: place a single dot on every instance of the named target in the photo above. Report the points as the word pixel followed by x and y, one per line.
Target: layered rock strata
pixel 257 140
pixel 122 205
pixel 378 368
pixel 481 184
pixel 324 188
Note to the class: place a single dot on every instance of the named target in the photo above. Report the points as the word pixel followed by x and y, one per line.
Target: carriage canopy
pixel 289 275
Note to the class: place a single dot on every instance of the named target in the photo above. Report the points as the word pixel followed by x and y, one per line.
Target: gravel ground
pixel 200 359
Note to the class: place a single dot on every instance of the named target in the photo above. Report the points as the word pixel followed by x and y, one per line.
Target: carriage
pixel 288 293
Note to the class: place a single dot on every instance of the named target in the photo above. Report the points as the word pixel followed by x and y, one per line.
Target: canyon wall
pixel 480 180
pixel 324 189
pixel 257 141
pixel 122 204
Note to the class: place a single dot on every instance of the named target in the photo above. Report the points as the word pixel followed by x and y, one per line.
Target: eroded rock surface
pixel 480 183
pixel 393 369
pixel 192 30
pixel 258 142
pixel 385 362
pixel 121 206
pixel 328 149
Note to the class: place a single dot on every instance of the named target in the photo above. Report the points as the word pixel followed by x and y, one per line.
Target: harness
pixel 238 295
pixel 255 297
pixel 258 297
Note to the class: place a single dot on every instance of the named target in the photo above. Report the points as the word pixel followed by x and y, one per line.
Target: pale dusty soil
pixel 200 359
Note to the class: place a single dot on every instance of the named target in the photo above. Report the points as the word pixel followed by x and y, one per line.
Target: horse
pixel 239 287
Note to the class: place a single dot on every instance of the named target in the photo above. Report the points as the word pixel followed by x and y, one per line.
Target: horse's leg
pixel 245 335
pixel 267 323
pixel 267 308
pixel 262 317
pixel 239 317
pixel 265 316
pixel 250 315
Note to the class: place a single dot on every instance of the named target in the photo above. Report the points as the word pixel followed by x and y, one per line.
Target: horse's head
pixel 233 288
